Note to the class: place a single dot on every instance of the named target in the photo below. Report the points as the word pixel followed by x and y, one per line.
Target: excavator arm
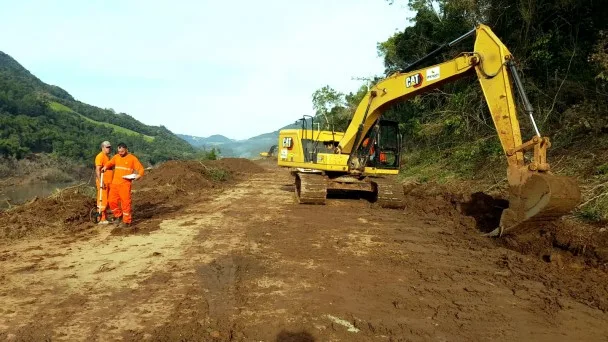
pixel 535 194
pixel 489 61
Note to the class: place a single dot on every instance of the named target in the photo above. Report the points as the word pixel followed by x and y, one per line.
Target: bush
pixel 5 170
pixel 219 175
pixel 595 211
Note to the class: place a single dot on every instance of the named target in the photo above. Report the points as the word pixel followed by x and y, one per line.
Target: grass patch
pixel 595 210
pixel 424 171
pixel 602 169
pixel 477 160
pixel 219 175
pixel 58 107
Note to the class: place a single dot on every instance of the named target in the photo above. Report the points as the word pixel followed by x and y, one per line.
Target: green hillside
pixel 58 107
pixel 39 118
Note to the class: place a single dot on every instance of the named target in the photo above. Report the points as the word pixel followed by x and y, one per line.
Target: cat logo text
pixel 413 81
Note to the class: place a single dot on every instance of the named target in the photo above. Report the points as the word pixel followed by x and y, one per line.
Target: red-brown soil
pixel 243 262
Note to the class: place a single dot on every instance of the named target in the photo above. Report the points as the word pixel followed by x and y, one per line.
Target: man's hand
pixel 137 177
pixel 103 169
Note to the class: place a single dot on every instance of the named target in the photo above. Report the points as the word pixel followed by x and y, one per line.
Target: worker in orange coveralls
pixel 127 168
pixel 103 190
pixel 372 151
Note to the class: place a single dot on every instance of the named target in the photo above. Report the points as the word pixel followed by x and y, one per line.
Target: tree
pixel 329 105
pixel 559 46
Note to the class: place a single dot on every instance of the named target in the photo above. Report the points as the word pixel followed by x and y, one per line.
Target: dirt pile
pixel 437 202
pixel 564 239
pixel 184 175
pixel 172 186
pixel 196 175
pixel 480 213
pixel 176 184
pixel 65 211
pixel 566 255
pixel 160 193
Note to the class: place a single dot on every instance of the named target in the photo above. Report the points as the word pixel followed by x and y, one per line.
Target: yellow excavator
pixel 272 152
pixel 367 156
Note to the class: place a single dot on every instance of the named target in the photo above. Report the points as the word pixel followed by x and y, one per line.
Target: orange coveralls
pixel 121 188
pixel 371 150
pixel 101 160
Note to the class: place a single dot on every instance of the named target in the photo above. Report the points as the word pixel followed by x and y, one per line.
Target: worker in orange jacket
pixel 127 168
pixel 103 190
pixel 372 151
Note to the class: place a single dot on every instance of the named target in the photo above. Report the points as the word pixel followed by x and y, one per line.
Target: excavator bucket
pixel 541 198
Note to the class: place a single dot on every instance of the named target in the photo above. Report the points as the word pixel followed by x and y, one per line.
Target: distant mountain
pixel 210 141
pixel 40 118
pixel 248 148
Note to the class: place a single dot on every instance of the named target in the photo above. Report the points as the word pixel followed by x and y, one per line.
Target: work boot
pixel 118 220
pixel 110 217
pixel 123 225
pixel 103 222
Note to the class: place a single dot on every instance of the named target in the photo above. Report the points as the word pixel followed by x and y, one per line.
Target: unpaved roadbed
pixel 248 264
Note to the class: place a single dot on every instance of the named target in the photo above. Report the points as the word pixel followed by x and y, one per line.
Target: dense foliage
pixel 36 117
pixel 561 48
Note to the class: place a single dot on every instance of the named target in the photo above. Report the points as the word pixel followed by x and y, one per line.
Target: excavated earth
pixel 220 252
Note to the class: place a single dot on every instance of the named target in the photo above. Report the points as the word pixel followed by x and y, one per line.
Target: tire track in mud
pixel 223 259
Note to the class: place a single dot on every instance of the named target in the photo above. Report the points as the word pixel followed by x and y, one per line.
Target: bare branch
pixel 560 86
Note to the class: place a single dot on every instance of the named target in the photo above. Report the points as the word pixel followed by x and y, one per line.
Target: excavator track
pixel 311 188
pixel 390 193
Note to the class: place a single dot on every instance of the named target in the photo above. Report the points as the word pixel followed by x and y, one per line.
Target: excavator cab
pixel 389 146
pixel 381 146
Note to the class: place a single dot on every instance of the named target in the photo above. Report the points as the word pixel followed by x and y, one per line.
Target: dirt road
pixel 250 265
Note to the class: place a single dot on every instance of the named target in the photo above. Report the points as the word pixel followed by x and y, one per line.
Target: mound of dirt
pixel 194 175
pixel 160 193
pixel 236 165
pixel 67 211
pixel 576 238
pixel 170 187
pixel 435 201
pixel 541 254
pixel 184 175
pixel 480 213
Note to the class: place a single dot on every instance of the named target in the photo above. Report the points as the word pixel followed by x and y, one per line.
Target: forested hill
pixel 37 117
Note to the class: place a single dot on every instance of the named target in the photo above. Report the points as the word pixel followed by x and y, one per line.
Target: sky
pixel 237 68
